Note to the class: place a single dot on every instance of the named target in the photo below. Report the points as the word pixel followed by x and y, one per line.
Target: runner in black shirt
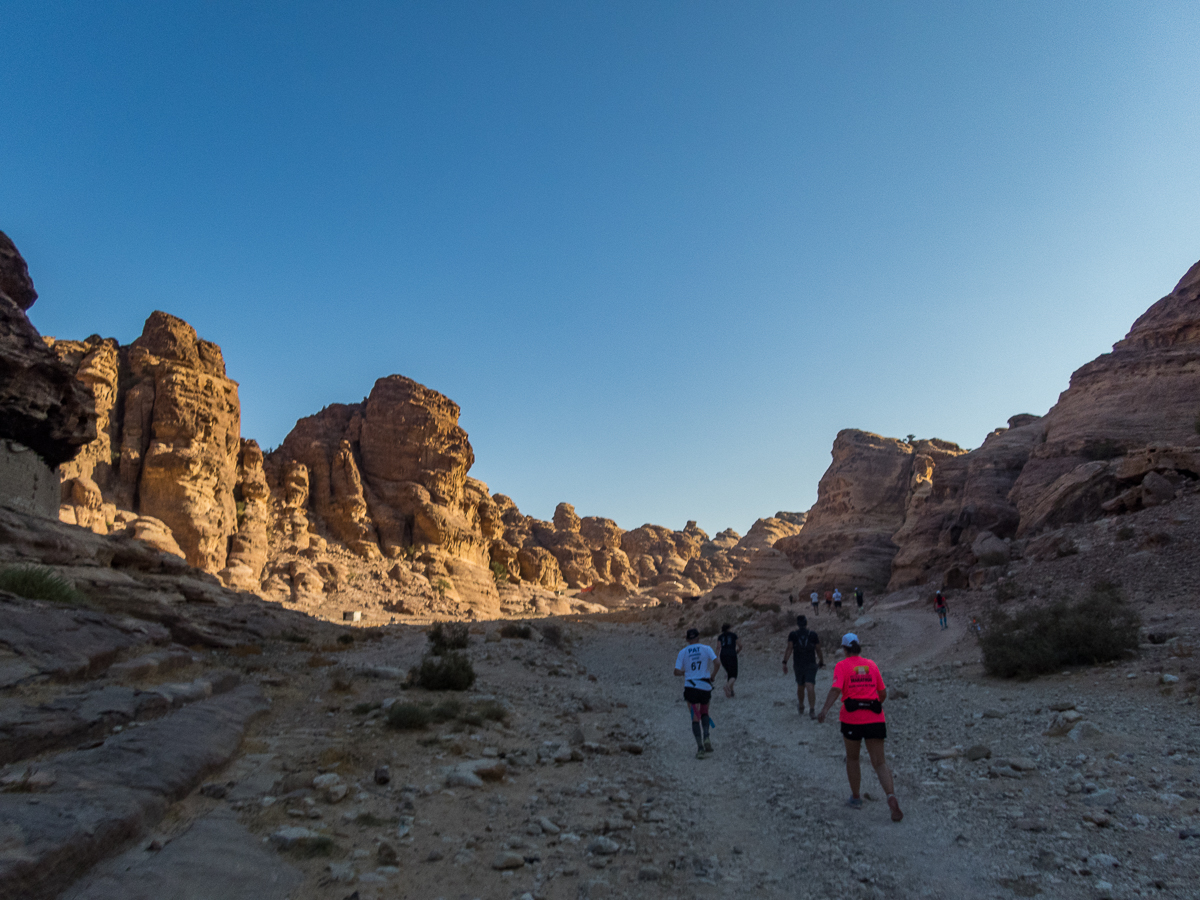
pixel 809 658
pixel 730 646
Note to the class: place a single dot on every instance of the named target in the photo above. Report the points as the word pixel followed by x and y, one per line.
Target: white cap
pixel 849 638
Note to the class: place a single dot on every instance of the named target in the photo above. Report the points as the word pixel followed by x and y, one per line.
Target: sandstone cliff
pixel 43 409
pixel 862 501
pixel 164 463
pixel 1142 394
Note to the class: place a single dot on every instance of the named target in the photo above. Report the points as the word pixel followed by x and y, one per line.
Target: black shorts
pixel 695 695
pixel 869 731
pixel 729 664
pixel 806 674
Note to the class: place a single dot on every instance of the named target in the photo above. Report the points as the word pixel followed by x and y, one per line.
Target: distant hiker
pixel 837 599
pixel 730 647
pixel 698 664
pixel 858 598
pixel 816 602
pixel 858 681
pixel 807 648
pixel 939 603
pixel 829 600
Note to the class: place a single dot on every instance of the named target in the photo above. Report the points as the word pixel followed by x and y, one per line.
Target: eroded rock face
pixel 167 442
pixel 42 406
pixel 1142 393
pixel 963 497
pixel 862 500
pixel 388 477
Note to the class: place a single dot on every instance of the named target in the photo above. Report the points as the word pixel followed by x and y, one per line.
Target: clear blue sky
pixel 660 253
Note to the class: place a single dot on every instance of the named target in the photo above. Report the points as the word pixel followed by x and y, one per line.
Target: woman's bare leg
pixel 853 769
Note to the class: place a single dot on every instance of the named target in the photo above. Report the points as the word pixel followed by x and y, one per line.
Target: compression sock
pixel 704 721
pixel 696 732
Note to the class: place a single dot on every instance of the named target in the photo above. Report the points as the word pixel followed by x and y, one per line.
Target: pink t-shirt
pixel 858 678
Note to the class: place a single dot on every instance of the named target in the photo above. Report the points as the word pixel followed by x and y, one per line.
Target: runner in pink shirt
pixel 861 687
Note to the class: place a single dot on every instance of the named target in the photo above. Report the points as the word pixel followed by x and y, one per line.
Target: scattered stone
pixel 214 790
pixel 1097 818
pixel 385 854
pixel 1084 731
pixel 383 775
pixel 1061 706
pixel 603 846
pixel 507 859
pixel 978 752
pixel 1167 678
pixel 435 855
pixel 547 826
pixel 331 787
pixel 994 714
pixel 649 873
pixel 342 872
pixel 632 748
pixel 293 836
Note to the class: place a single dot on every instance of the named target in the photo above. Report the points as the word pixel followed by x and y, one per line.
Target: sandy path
pixel 775 786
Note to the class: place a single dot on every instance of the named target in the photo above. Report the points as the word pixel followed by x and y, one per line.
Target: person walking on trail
pixel 816 602
pixel 806 646
pixel 837 600
pixel 698 665
pixel 858 599
pixel 828 600
pixel 730 648
pixel 939 604
pixel 861 687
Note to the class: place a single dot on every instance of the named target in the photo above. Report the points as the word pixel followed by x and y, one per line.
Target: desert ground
pixel 591 787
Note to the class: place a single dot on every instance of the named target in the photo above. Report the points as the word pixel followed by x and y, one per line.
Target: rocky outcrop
pixel 1141 394
pixel 43 409
pixel 862 501
pixel 964 496
pixel 167 442
pixel 388 479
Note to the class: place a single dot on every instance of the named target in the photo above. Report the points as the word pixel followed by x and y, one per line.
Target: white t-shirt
pixel 815 598
pixel 696 662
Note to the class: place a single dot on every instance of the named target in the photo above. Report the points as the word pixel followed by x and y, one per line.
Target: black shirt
pixel 804 646
pixel 728 641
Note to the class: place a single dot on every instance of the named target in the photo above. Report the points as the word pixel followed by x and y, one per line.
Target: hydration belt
pixel 853 705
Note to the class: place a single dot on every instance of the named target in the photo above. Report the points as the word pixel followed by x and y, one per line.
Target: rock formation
pixel 862 501
pixel 167 442
pixel 45 415
pixel 1122 437
pixel 1142 394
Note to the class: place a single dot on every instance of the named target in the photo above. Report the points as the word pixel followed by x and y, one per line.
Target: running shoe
pixel 855 803
pixel 707 746
pixel 700 754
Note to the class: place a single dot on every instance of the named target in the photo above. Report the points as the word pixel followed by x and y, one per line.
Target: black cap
pixel 692 632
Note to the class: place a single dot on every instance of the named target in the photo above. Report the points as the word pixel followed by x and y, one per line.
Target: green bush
pixel 446 710
pixel 446 636
pixel 361 709
pixel 448 672
pixel 408 716
pixel 499 572
pixel 39 583
pixel 1098 628
pixel 513 630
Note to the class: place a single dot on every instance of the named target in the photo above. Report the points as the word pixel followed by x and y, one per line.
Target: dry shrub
pixel 448 672
pixel 552 634
pixel 317 661
pixel 515 630
pixel 447 636
pixel 1098 628
pixel 244 650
